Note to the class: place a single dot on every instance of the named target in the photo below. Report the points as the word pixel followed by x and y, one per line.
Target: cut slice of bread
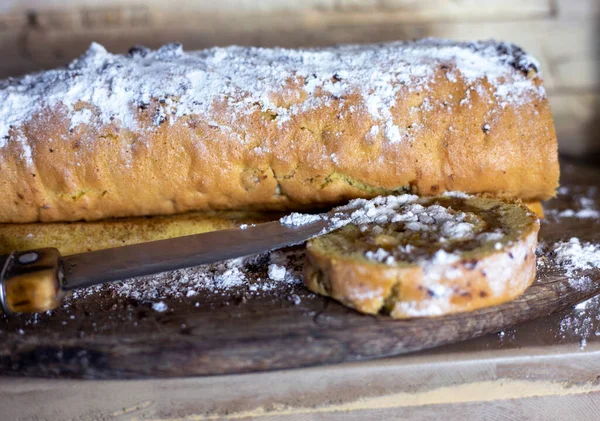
pixel 79 237
pixel 426 256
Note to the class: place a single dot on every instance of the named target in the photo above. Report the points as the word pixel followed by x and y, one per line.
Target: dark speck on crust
pixel 470 264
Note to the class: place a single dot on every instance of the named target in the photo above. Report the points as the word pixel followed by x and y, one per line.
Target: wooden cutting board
pixel 108 336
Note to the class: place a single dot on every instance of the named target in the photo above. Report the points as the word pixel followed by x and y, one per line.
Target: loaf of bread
pixel 418 257
pixel 163 132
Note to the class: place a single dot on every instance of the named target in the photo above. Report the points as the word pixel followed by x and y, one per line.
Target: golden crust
pixel 537 208
pixel 403 291
pixel 322 155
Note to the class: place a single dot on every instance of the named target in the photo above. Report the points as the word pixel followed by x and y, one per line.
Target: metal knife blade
pixel 96 267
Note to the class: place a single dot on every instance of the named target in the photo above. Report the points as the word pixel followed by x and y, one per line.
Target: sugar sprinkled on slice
pixel 457 194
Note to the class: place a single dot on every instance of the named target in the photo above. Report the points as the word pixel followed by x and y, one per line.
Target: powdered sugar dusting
pixel 457 194
pixel 581 324
pixel 276 272
pixel 160 306
pixel 575 259
pixel 574 256
pixel 380 209
pixel 416 214
pixel 298 219
pixel 284 271
pixel 583 203
pixel 101 88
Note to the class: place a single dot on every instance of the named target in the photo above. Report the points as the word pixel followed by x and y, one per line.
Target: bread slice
pixel 79 237
pixel 419 257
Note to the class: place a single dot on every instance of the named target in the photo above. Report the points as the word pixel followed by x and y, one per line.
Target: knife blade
pixel 87 269
pixel 37 280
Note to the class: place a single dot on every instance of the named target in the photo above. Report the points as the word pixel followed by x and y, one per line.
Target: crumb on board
pixel 160 306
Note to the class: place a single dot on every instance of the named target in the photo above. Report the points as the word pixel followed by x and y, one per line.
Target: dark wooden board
pixel 104 336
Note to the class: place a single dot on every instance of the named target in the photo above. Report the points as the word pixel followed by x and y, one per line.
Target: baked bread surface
pixel 163 132
pixel 427 257
pixel 83 236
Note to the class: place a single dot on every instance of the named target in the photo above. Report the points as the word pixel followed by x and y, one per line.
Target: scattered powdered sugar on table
pixel 101 88
pixel 160 306
pixel 581 213
pixel 582 322
pixel 583 202
pixel 574 257
pixel 284 271
pixel 276 272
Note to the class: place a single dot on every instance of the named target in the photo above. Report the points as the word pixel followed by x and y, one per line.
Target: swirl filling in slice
pixel 408 257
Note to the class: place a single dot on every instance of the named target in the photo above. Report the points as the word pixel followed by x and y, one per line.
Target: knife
pixel 37 280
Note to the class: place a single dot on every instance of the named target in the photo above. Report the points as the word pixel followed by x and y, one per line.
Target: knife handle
pixel 31 281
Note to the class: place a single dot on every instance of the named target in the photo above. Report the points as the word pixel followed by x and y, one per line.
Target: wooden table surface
pixel 533 372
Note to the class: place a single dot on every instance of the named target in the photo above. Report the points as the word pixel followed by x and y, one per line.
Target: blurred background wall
pixel 562 34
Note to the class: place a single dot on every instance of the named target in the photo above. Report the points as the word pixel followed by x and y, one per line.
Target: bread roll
pixel 163 132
